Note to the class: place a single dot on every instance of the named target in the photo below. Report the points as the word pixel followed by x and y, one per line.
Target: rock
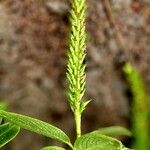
pixel 58 7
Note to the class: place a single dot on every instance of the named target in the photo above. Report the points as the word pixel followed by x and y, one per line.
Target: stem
pixel 71 146
pixel 77 115
pixel 140 109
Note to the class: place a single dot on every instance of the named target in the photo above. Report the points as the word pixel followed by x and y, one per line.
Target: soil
pixel 33 45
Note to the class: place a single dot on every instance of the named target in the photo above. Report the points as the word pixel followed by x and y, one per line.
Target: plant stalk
pixel 78 123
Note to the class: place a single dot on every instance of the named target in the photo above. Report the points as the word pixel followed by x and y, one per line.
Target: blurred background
pixel 33 43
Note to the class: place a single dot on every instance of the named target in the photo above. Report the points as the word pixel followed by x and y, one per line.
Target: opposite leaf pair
pixel 95 140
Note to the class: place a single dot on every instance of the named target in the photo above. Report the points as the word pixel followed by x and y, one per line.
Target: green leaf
pixel 83 105
pixel 7 133
pixel 3 106
pixel 37 126
pixel 114 131
pixel 4 127
pixel 52 148
pixel 94 141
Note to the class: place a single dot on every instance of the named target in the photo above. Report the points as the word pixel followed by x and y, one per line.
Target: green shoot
pixel 139 107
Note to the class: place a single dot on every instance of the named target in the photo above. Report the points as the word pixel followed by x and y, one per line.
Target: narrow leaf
pixel 114 131
pixel 52 148
pixel 7 133
pixel 83 105
pixel 37 126
pixel 96 141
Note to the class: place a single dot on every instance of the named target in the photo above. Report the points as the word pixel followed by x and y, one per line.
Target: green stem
pixel 140 110
pixel 78 123
pixel 71 146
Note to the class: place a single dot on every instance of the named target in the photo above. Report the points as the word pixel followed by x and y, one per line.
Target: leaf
pixel 4 127
pixel 7 133
pixel 83 105
pixel 52 148
pixel 3 106
pixel 113 131
pixel 94 141
pixel 37 126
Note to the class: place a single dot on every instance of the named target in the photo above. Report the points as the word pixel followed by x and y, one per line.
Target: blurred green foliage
pixel 140 108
